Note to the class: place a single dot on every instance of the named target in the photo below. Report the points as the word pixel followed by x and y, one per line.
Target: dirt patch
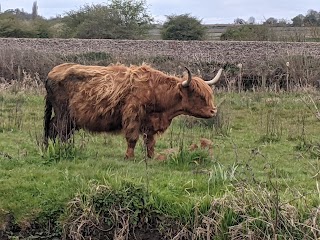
pixel 146 235
pixel 10 229
pixel 220 51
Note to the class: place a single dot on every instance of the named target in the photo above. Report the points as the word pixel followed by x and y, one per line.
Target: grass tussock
pixel 106 213
pixel 257 213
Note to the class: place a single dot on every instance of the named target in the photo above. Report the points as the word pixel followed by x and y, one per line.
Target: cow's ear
pixel 181 87
pixel 183 91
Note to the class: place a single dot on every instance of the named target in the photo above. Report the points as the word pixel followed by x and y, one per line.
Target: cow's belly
pixel 101 125
pixel 95 122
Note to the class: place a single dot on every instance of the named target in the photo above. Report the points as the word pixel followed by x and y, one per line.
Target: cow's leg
pixel 149 141
pixel 131 125
pixel 132 136
pixel 53 129
pixel 130 148
pixel 64 127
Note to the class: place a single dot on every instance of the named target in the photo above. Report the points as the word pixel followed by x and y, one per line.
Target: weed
pixel 221 122
pixel 94 58
pixel 189 158
pixel 219 175
pixel 58 150
pixel 313 148
pixel 273 127
pixel 11 114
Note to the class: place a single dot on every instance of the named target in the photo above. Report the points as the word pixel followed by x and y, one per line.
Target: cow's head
pixel 197 96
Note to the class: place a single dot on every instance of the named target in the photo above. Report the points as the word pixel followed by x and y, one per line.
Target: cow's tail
pixel 47 117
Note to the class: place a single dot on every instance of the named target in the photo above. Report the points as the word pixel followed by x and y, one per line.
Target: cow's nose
pixel 213 111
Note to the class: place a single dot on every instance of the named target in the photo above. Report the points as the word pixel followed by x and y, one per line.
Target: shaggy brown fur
pixel 135 99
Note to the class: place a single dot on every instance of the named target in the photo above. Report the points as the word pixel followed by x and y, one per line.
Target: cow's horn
pixel 216 78
pixel 186 83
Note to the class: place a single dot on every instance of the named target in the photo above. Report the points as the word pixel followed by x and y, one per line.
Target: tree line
pixel 311 19
pixel 128 19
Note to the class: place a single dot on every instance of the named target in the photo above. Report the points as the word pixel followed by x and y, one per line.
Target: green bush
pixel 119 19
pixel 183 27
pixel 248 33
pixel 12 26
pixel 41 28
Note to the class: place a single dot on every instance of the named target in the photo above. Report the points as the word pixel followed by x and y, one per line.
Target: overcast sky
pixel 209 11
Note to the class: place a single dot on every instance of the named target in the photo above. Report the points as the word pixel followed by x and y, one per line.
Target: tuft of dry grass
pixel 28 83
pixel 273 74
pixel 253 213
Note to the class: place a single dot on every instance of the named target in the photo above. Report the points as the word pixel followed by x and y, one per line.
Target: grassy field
pixel 257 176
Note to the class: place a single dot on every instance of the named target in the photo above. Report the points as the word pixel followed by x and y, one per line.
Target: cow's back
pixel 91 93
pixel 65 71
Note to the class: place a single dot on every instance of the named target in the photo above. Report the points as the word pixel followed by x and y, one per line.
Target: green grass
pixel 262 139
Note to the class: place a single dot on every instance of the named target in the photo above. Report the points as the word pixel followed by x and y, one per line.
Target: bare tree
pixel 34 10
pixel 251 20
pixel 271 21
pixel 239 21
pixel 283 22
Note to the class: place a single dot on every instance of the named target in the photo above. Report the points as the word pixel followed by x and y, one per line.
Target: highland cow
pixel 139 100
